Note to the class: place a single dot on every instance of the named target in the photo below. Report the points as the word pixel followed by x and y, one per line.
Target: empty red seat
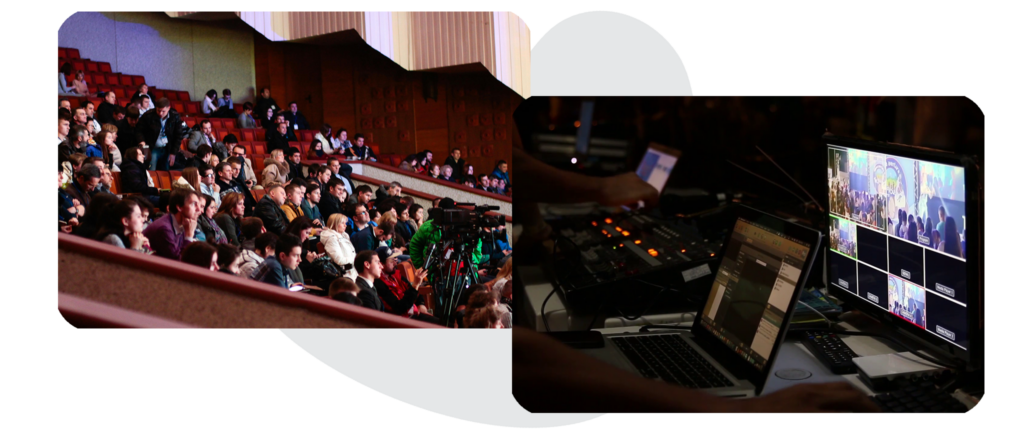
pixel 96 79
pixel 183 95
pixel 305 135
pixel 178 107
pixel 228 123
pixel 62 53
pixel 249 134
pixel 191 122
pixel 221 133
pixel 104 67
pixel 259 147
pixel 92 66
pixel 78 65
pixel 156 93
pixel 216 123
pixel 257 166
pixel 73 53
pixel 138 80
pixel 126 80
pixel 191 106
pixel 239 108
pixel 119 91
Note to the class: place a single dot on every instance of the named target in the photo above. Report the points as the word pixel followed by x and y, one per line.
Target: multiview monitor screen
pixel 896 237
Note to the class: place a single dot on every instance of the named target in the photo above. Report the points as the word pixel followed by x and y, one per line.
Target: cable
pixel 767 180
pixel 544 317
pixel 828 322
pixel 790 177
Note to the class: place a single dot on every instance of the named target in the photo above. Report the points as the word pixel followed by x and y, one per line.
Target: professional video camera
pixel 450 260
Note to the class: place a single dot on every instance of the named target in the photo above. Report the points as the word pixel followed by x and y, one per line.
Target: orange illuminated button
pixel 683 251
pixel 593 223
pixel 636 242
pixel 604 232
pixel 608 220
pixel 624 233
pixel 712 254
pixel 653 252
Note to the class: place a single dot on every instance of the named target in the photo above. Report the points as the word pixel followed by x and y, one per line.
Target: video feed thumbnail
pixel 872 285
pixel 842 271
pixel 843 237
pixel 907 301
pixel 906 260
pixel 856 189
pixel 873 247
pixel 943 208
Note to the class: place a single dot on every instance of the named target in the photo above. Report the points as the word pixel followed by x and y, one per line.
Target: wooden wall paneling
pixel 479 112
pixel 431 116
pixel 303 84
pixel 338 82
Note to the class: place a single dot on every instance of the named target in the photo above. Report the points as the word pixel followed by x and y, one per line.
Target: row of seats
pixel 67 53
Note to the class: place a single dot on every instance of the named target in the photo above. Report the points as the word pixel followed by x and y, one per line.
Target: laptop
pixel 736 338
pixel 656 166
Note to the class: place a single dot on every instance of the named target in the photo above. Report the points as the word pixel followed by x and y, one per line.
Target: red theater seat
pixel 138 80
pixel 191 107
pixel 228 123
pixel 191 122
pixel 62 53
pixel 73 53
pixel 249 134
pixel 306 135
pixel 179 107
pixel 183 95
pixel 259 148
pixel 156 93
pixel 119 91
pixel 105 67
pixel 216 123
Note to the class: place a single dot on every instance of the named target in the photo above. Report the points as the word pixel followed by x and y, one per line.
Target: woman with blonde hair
pixel 338 246
pixel 189 179
pixel 79 84
pixel 275 171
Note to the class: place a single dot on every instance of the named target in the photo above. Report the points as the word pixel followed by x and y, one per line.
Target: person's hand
pixel 806 398
pixel 80 209
pixel 311 256
pixel 170 159
pixel 418 277
pixel 249 183
pixel 76 203
pixel 65 228
pixel 136 240
pixel 482 272
pixel 506 252
pixel 317 223
pixel 190 226
pixel 111 148
pixel 626 189
pixel 73 222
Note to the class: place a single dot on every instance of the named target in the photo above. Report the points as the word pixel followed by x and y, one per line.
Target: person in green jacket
pixel 429 234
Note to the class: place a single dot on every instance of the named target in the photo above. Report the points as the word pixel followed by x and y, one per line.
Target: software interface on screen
pixel 896 237
pixel 753 289
pixel 656 167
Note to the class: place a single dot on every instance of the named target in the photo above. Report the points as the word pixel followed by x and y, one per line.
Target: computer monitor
pixel 903 240
pixel 657 165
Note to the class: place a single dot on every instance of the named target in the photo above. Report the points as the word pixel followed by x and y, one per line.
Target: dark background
pixel 252 375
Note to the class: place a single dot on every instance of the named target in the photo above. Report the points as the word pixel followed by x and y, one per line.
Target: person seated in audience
pixel 85 181
pixel 79 85
pixel 359 150
pixel 209 104
pixel 134 177
pixel 106 180
pixel 295 119
pixel 468 182
pixel 204 136
pixel 90 112
pixel 161 130
pixel 143 90
pixel 119 113
pixel 292 205
pixel 65 104
pixel 212 232
pixel 265 103
pixel 369 237
pixel 246 176
pixel 214 160
pixel 334 202
pixel 105 112
pixel 69 208
pixel 122 227
pixel 269 210
pixel 226 179
pixel 330 144
pixel 416 216
pixel 405 226
pixel 208 184
pixel 392 191
pixel 310 203
pixel 428 158
pixel 80 117
pixel 279 269
pixel 93 149
pixel 368 266
pixel 278 138
pixel 225 100
pixel 500 188
pixel 456 162
pixel 400 296
pixel 252 227
pixel 126 130
pixel 200 254
pixel 64 128
pixel 200 158
pixel 62 80
pixel 189 179
pixel 293 157
pixel 485 183
pixel 168 235
pixel 364 194
pixel 268 120
pixel 345 290
pixel 275 170
pixel 262 247
pixel 435 171
pixel 229 216
pixel 228 259
pixel 446 174
pixel 145 103
pixel 486 317
pixel 302 227
pixel 316 150
pixel 245 119
pixel 410 164
pixel 342 172
pixel 467 172
pixel 95 212
pixel 337 244
pixel 242 185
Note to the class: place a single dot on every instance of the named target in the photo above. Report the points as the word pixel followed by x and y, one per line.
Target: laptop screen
pixel 753 290
pixel 657 165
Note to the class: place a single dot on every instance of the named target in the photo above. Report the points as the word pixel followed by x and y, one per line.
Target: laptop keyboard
pixel 670 358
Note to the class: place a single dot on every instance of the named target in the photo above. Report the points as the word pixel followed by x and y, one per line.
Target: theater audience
pixel 446 174
pixel 333 145
pixel 200 254
pixel 310 203
pixel 364 194
pixel 467 172
pixel 316 150
pixel 392 191
pixel 105 112
pixel 225 100
pixel 265 102
pixel 143 90
pixel 85 181
pixel 456 163
pixel 275 169
pixel 359 150
pixel 293 157
pixel 208 225
pixel 410 164
pixel 268 209
pixel 342 172
pixel 294 118
pixel 255 251
pixel 405 227
pixel 338 246
pixel 292 205
pixel 122 227
pixel 399 296
pixel 416 216
pixel 229 216
pixel 204 136
pixel 228 259
pixel 335 200
pixel 247 176
pixel 368 267
pixel 169 234
pixel 79 85
pixel 369 237
pixel 209 104
pixel 345 290
pixel 246 120
pixel 278 269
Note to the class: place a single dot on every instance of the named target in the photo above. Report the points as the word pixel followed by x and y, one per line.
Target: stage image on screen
pixel 907 301
pixel 897 224
pixel 843 237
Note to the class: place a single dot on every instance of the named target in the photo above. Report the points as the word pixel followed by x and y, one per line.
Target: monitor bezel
pixel 714 346
pixel 972 355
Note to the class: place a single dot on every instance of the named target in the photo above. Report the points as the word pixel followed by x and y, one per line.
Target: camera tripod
pixel 455 272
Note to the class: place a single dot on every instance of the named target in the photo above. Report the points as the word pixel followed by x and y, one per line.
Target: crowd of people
pixel 313 230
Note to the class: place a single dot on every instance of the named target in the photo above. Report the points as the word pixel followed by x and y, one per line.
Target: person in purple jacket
pixel 169 235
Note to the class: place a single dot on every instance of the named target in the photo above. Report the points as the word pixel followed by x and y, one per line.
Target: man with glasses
pixel 238 151
pixel 207 183
pixel 365 236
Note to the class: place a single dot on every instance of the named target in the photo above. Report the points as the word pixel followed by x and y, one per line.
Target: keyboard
pixel 921 396
pixel 669 358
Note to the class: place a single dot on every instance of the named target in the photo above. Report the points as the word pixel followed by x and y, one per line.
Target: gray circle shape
pixel 606 54
pixel 793 374
pixel 457 373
